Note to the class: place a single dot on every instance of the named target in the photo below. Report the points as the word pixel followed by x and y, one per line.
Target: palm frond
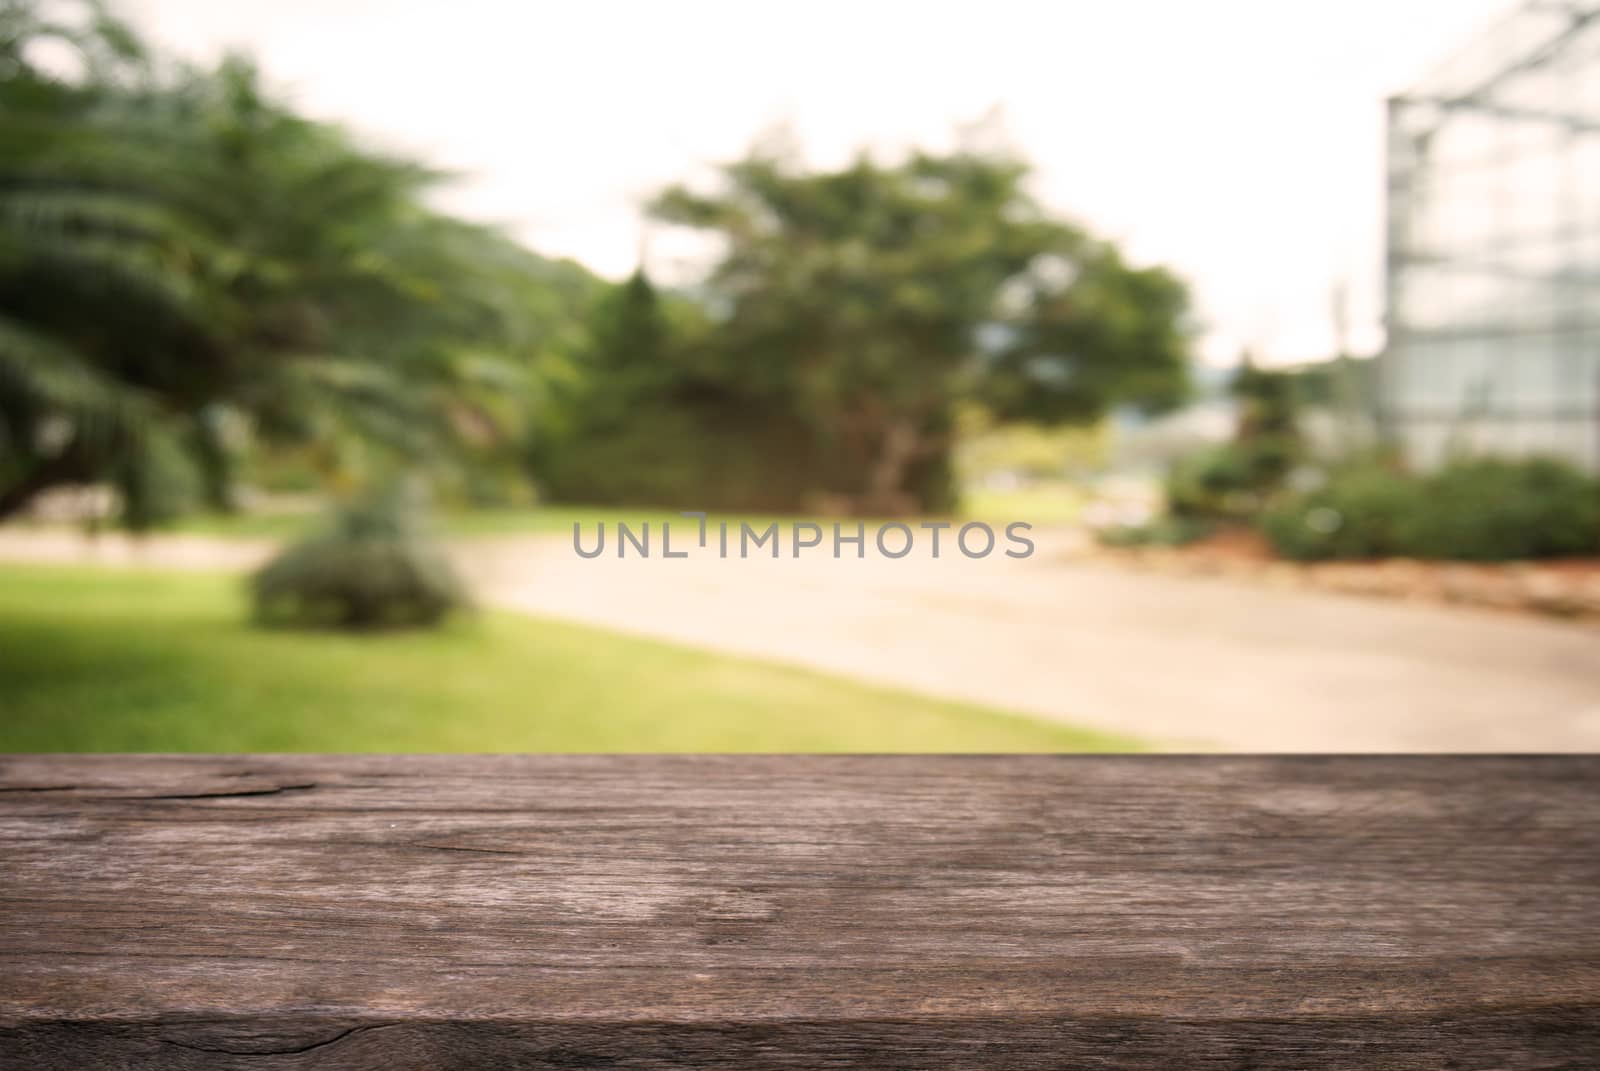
pixel 56 375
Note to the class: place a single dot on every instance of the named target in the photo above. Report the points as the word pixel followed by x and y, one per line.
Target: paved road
pixel 1185 662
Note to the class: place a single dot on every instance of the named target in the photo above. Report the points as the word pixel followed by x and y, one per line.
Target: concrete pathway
pixel 1188 663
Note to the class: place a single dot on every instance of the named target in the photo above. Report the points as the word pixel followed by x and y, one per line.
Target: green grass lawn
pixel 1043 505
pixel 103 660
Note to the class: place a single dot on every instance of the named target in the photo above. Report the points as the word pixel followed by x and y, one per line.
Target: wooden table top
pixel 911 912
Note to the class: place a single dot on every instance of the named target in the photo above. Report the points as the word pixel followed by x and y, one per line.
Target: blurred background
pixel 324 325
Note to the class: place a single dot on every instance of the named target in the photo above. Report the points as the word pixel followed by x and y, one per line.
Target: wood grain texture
pixel 431 912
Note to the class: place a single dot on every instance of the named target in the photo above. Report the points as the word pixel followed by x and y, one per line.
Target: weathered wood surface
pixel 409 912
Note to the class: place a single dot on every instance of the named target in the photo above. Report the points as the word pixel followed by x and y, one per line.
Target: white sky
pixel 1239 142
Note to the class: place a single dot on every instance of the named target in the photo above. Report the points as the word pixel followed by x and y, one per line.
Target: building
pixel 1493 273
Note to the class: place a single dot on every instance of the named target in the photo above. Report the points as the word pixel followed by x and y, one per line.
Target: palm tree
pixel 181 255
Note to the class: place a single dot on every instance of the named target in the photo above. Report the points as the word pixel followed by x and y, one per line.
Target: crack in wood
pixel 462 848
pixel 223 795
pixel 313 1047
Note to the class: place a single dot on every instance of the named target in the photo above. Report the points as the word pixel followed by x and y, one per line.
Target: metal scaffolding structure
pixel 1493 273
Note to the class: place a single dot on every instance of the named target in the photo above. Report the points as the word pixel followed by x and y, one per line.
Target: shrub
pixel 1169 531
pixel 1215 482
pixel 1493 509
pixel 1359 513
pixel 1483 509
pixel 371 567
pixel 1230 481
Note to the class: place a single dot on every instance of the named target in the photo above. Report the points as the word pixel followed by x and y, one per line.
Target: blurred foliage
pixel 371 567
pixel 200 287
pixel 1216 482
pixel 1495 508
pixel 645 421
pixel 988 449
pixel 1359 512
pixel 1171 530
pixel 187 266
pixel 1234 480
pixel 852 311
pixel 1480 509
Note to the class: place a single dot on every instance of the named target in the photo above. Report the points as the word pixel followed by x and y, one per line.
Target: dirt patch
pixel 1567 587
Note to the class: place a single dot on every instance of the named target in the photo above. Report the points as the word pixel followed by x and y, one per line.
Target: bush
pixel 370 568
pixel 1359 513
pixel 1214 482
pixel 1492 509
pixel 1230 481
pixel 1169 531
pixel 687 454
pixel 1485 509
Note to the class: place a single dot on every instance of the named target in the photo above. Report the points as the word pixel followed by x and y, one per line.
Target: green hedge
pixel 700 455
pixel 1480 509
pixel 1230 480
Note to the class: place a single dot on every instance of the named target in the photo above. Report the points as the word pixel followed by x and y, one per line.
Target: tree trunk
pixel 886 493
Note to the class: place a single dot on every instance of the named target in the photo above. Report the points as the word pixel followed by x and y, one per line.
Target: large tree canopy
pixel 866 302
pixel 181 255
pixel 186 264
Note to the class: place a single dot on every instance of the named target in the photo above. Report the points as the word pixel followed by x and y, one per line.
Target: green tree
pixel 649 418
pixel 866 303
pixel 184 261
pixel 628 358
pixel 1268 435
